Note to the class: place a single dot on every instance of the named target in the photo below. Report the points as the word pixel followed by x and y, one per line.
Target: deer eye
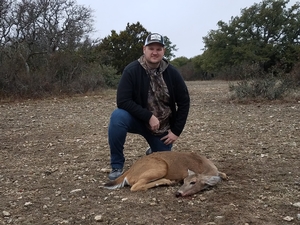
pixel 193 182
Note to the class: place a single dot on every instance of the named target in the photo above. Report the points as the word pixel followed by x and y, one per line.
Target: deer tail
pixel 118 183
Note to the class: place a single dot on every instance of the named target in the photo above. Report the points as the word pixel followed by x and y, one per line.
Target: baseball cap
pixel 154 38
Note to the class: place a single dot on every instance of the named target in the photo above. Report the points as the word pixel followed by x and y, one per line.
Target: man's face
pixel 154 53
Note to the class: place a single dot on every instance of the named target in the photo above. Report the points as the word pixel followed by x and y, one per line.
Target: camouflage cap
pixel 155 38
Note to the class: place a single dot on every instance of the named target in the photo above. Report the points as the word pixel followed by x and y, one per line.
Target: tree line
pixel 46 48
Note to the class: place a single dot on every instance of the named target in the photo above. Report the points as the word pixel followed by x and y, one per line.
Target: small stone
pixel 297 204
pixel 75 190
pixel 288 218
pixel 105 170
pixel 298 216
pixel 99 218
pixel 5 213
pixel 28 203
pixel 202 199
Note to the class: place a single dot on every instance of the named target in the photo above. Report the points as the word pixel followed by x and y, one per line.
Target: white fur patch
pixel 124 183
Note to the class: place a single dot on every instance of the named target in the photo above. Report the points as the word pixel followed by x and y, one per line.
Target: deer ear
pixel 190 172
pixel 212 180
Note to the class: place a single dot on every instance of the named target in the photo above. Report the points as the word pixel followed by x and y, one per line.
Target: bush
pixel 110 76
pixel 95 77
pixel 270 88
pixel 257 84
pixel 55 74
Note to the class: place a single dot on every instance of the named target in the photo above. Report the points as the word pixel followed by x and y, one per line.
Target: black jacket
pixel 132 94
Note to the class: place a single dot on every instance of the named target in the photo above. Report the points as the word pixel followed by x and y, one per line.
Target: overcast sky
pixel 183 22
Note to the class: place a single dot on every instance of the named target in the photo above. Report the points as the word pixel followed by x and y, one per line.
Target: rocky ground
pixel 54 158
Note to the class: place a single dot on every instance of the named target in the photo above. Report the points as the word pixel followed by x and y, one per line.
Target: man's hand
pixel 154 123
pixel 170 138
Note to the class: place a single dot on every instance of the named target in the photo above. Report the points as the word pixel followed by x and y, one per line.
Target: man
pixel 152 101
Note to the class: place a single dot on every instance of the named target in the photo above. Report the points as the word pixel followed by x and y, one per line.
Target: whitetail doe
pixel 167 168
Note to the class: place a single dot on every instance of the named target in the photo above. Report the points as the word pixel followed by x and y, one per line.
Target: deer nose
pixel 178 194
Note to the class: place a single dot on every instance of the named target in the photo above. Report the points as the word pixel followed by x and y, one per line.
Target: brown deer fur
pixel 167 168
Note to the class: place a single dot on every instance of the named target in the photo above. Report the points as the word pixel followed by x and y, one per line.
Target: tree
pixel 266 33
pixel 33 34
pixel 120 49
pixel 191 69
pixel 180 61
pixel 5 23
pixel 169 48
pixel 42 27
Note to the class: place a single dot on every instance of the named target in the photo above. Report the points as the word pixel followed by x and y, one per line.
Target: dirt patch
pixel 52 153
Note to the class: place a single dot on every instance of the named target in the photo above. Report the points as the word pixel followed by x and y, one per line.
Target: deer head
pixel 194 183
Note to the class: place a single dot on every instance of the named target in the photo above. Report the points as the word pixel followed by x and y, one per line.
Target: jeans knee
pixel 119 117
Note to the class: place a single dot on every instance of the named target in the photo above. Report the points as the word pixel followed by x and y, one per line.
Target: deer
pixel 168 168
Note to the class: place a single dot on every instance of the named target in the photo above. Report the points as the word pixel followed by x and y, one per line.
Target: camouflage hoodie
pixel 158 95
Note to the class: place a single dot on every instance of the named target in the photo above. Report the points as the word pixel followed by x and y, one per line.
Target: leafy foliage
pixel 266 33
pixel 276 84
pixel 40 46
pixel 121 49
pixel 45 49
pixel 189 68
pixel 180 61
pixel 269 88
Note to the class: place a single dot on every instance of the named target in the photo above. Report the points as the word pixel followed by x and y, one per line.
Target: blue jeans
pixel 122 122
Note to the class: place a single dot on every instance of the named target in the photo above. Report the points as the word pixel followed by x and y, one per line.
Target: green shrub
pixel 269 88
pixel 110 76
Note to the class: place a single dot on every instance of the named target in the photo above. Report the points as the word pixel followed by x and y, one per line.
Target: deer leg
pixel 141 186
pixel 150 178
pixel 159 182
